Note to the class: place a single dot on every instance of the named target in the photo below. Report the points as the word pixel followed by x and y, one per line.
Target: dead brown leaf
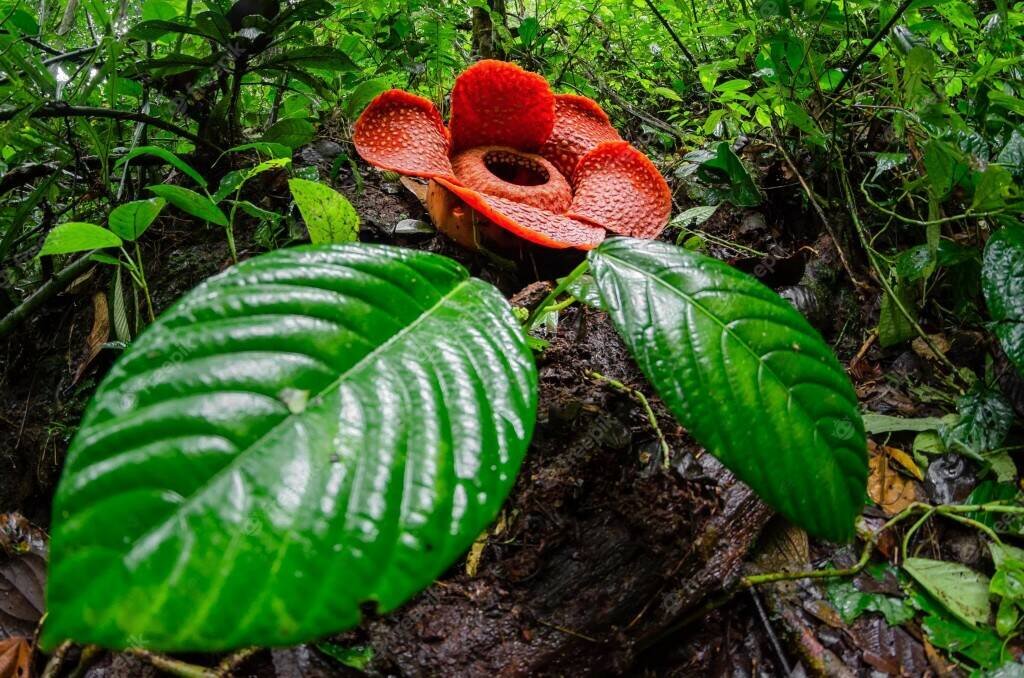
pixel 99 334
pixel 417 188
pixel 886 487
pixel 922 349
pixel 22 576
pixel 15 657
pixel 904 460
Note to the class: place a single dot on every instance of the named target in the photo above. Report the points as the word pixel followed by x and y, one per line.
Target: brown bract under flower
pixel 548 168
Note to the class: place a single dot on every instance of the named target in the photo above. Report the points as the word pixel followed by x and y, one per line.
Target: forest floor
pixel 604 560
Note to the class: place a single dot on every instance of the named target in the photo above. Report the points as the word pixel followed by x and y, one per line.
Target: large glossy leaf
pixel 1002 279
pixel 745 373
pixel 312 431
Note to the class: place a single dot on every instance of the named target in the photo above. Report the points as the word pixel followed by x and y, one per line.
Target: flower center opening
pixel 513 175
pixel 516 169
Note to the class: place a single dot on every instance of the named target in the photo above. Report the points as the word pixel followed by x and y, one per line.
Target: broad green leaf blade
pixel 322 57
pixel 313 430
pixel 166 156
pixel 960 589
pixel 131 219
pixel 1002 280
pixel 191 202
pixel 329 216
pixel 746 374
pixel 290 132
pixel 77 236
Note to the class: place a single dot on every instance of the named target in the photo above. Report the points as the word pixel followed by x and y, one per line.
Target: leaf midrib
pixel 725 330
pixel 242 454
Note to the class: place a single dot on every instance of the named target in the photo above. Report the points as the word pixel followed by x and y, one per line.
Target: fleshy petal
pixel 530 223
pixel 580 125
pixel 495 103
pixel 404 133
pixel 520 177
pixel 619 188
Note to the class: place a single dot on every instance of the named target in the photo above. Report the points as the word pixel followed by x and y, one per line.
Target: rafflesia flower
pixel 546 167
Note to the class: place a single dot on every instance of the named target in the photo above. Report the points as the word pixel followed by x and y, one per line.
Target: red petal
pixel 520 177
pixel 495 103
pixel 580 125
pixel 403 133
pixel 619 188
pixel 530 223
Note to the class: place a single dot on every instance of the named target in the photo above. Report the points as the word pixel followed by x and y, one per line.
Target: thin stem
pixel 883 279
pixel 142 281
pixel 672 33
pixel 542 308
pixel 921 222
pixel 666 451
pixel 174 667
pixel 871 45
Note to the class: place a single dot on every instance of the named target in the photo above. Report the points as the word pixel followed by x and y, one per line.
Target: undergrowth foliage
pixel 187 521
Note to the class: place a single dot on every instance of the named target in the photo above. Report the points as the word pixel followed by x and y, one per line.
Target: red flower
pixel 548 167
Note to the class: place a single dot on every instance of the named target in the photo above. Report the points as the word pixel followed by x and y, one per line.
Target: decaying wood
pixel 598 552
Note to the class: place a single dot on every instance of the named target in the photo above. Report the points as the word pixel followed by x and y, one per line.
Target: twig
pixel 871 45
pixel 65 111
pixel 53 665
pixel 883 278
pixel 234 660
pixel 57 283
pixel 817 208
pixel 175 667
pixel 666 451
pixel 921 222
pixel 668 27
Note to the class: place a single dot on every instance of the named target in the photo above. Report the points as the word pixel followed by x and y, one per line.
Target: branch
pixel 65 111
pixel 668 27
pixel 867 50
pixel 57 283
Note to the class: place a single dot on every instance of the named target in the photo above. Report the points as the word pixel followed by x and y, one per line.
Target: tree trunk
pixel 486 38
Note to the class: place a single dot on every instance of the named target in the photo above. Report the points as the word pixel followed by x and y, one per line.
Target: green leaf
pixel 77 236
pixel 150 31
pixel 312 431
pixel 191 202
pixel 320 57
pixel 290 132
pixel 985 420
pixel 725 168
pixel 329 216
pixel 980 645
pixel 883 423
pixel 131 219
pixel 667 93
pixel 746 374
pixel 852 603
pixel 1002 280
pixel 528 30
pixel 263 148
pixel 357 657
pixel 166 156
pixel 960 589
pixel 695 216
pixel 830 79
pixel 893 326
pixel 916 262
pixel 992 189
pixel 362 95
